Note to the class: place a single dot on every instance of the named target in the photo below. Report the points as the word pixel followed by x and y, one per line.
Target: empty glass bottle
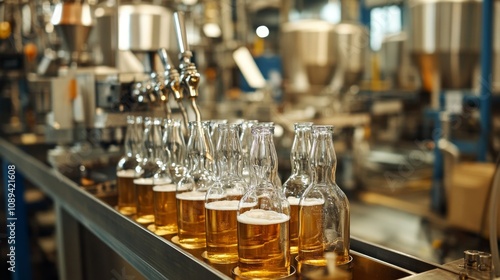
pixel 300 178
pixel 191 189
pixel 223 197
pixel 149 171
pixel 263 215
pixel 125 170
pixel 324 217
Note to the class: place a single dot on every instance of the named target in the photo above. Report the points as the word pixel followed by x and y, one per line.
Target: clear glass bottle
pixel 300 178
pixel 125 169
pixel 149 171
pixel 164 189
pixel 263 156
pixel 222 199
pixel 263 216
pixel 324 218
pixel 192 188
pixel 175 149
pixel 246 139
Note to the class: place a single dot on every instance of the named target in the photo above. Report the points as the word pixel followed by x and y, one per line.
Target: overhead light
pixel 212 30
pixel 262 31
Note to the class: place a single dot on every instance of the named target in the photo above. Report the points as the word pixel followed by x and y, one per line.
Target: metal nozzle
pixel 190 78
pixel 165 59
pixel 173 83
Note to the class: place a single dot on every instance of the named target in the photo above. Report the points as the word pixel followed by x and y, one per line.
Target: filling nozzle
pixel 173 84
pixel 190 78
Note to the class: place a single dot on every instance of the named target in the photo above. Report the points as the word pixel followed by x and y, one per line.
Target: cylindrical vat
pixel 445 38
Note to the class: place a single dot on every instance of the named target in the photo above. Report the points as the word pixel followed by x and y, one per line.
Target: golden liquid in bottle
pixel 263 244
pixel 165 210
pixel 126 192
pixel 294 225
pixel 191 219
pixel 145 206
pixel 311 241
pixel 221 227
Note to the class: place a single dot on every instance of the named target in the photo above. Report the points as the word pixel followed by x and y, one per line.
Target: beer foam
pixel 129 173
pixel 293 200
pixel 163 181
pixel 223 205
pixel 191 195
pixel 262 217
pixel 165 188
pixel 143 181
pixel 312 201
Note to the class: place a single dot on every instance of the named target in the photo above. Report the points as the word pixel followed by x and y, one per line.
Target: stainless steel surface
pixel 180 31
pixel 323 54
pixel 133 22
pixel 73 21
pixel 445 41
pixel 365 267
pixel 395 62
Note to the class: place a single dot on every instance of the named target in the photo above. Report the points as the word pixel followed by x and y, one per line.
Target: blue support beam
pixel 485 94
pixel 18 242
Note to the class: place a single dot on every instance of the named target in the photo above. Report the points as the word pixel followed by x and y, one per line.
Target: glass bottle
pixel 125 170
pixel 263 215
pixel 263 156
pixel 324 217
pixel 300 178
pixel 191 189
pixel 164 189
pixel 222 199
pixel 149 171
pixel 175 148
pixel 246 144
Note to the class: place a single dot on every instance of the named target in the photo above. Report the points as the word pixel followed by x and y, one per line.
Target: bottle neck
pixel 264 159
pixel 323 160
pixel 200 150
pixel 129 141
pixel 299 155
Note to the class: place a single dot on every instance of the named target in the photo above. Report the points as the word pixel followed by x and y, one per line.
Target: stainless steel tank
pixel 139 28
pixel 445 38
pixel 73 22
pixel 316 53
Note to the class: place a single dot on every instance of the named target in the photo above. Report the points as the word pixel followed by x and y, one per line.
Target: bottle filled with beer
pixel 125 169
pixel 150 172
pixel 192 188
pixel 323 208
pixel 223 197
pixel 300 178
pixel 263 215
pixel 164 189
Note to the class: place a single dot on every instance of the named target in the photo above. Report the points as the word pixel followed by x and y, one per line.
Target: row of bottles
pixel 222 192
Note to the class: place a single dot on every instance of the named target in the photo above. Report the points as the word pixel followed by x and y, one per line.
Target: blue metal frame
pixel 485 95
pixel 20 220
